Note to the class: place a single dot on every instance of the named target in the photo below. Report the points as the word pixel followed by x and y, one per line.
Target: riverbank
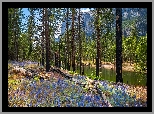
pixel 109 65
pixel 124 68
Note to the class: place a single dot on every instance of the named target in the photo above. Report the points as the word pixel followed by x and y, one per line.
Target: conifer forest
pixel 77 57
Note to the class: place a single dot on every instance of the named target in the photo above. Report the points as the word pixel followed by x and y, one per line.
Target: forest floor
pixel 26 88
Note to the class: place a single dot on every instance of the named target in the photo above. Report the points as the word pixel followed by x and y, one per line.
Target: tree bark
pixel 59 54
pixel 47 41
pixel 80 46
pixel 68 42
pixel 73 48
pixel 119 45
pixel 98 44
pixel 43 39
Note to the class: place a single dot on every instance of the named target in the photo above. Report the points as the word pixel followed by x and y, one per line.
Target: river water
pixel 132 78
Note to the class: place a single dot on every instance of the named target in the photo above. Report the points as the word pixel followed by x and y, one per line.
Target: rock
pixel 16 70
pixel 73 79
pixel 47 77
pixel 91 86
pixel 87 86
pixel 23 71
pixel 29 75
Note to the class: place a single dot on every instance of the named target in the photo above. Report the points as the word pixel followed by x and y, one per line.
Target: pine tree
pixel 119 45
pixel 98 42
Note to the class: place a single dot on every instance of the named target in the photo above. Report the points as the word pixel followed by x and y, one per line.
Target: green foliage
pixel 36 78
pixel 134 47
pixel 141 52
pixel 14 30
pixel 70 72
pixel 13 82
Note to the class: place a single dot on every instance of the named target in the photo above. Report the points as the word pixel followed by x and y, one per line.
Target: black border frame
pixel 6 5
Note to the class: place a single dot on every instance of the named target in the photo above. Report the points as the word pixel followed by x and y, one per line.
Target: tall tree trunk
pixel 56 59
pixel 100 63
pixel 16 48
pixel 47 41
pixel 43 53
pixel 119 45
pixel 69 60
pixel 98 44
pixel 17 58
pixel 59 54
pixel 43 39
pixel 23 55
pixel 68 51
pixel 15 37
pixel 73 48
pixel 80 47
pixel 65 57
pixel 82 69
